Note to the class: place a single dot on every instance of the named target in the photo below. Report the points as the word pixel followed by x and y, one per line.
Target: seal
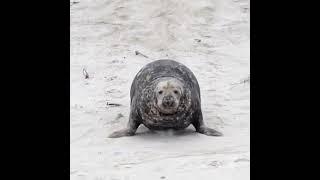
pixel 165 94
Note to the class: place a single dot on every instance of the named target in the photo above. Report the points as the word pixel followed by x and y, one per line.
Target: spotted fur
pixel 143 102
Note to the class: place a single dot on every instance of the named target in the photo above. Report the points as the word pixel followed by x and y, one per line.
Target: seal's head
pixel 168 94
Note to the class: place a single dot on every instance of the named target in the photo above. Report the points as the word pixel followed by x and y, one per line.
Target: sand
pixel 211 37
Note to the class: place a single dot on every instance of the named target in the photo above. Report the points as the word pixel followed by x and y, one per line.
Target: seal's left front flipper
pixel 202 128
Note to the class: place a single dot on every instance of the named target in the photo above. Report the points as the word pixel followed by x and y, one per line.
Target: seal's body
pixel 165 94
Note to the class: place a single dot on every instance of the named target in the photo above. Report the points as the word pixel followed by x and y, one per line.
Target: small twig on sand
pixel 247 80
pixel 85 73
pixel 73 3
pixel 139 53
pixel 113 104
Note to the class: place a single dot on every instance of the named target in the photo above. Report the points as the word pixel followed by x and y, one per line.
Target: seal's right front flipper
pixel 122 133
pixel 131 129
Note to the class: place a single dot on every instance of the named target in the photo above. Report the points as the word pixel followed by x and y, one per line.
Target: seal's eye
pixel 176 92
pixel 160 92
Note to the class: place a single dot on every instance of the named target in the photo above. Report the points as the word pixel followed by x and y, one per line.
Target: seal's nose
pixel 168 101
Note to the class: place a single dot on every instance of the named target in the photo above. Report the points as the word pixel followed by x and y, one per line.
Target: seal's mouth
pixel 167 113
pixel 168 110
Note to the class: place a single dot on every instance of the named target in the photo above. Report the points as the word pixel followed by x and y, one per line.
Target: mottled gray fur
pixel 144 108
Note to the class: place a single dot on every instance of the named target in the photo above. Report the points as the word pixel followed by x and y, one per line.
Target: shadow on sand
pixel 144 132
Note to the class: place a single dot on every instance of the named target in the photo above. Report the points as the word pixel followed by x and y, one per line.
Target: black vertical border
pixel 36 89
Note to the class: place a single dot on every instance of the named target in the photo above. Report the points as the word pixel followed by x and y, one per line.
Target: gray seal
pixel 165 94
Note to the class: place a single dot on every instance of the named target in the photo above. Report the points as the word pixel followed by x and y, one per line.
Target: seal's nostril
pixel 168 103
pixel 165 103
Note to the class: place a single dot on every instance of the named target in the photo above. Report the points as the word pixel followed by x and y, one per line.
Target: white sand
pixel 104 37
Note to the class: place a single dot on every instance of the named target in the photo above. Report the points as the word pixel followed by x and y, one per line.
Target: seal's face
pixel 168 94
